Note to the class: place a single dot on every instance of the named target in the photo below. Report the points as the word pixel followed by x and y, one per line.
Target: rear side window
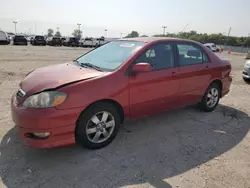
pixel 160 56
pixel 190 54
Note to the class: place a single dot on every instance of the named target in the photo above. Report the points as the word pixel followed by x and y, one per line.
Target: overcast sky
pixel 122 16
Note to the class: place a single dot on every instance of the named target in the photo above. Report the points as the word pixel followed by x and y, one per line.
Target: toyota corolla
pixel 86 100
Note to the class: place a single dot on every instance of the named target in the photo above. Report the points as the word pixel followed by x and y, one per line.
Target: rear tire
pixel 92 125
pixel 211 98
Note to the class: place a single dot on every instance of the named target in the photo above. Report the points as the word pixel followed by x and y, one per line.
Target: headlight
pixel 45 99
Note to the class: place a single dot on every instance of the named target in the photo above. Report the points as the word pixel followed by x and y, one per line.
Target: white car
pixel 100 41
pixel 87 42
pixel 246 71
pixel 211 46
pixel 4 39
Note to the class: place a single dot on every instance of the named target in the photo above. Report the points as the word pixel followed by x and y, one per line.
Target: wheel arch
pixel 219 83
pixel 116 104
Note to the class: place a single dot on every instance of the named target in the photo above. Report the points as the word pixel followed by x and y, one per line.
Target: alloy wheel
pixel 100 127
pixel 212 97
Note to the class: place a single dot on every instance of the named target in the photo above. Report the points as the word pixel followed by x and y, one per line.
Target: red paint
pixel 139 95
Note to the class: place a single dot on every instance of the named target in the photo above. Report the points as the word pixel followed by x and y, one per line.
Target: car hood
pixel 51 77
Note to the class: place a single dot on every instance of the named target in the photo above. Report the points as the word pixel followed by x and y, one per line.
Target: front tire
pixel 97 126
pixel 246 80
pixel 211 98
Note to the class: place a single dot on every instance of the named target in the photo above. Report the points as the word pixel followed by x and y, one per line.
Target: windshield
pixel 39 37
pixel 110 56
pixel 19 37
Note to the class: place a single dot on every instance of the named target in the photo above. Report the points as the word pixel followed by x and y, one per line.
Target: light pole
pixel 105 32
pixel 248 39
pixel 15 22
pixel 164 28
pixel 79 30
pixel 121 35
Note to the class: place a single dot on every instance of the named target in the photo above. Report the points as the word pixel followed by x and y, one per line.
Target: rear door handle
pixel 173 73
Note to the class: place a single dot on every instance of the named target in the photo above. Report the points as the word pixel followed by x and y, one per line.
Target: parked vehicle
pixel 100 41
pixel 87 42
pixel 213 47
pixel 38 40
pixel 20 40
pixel 28 39
pixel 54 41
pixel 71 41
pixel 4 39
pixel 86 101
pixel 248 55
pixel 246 71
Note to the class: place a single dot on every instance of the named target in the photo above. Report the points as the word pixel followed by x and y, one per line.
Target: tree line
pixel 219 39
pixel 76 33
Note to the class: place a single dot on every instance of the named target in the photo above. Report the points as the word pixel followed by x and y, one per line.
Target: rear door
pixel 157 90
pixel 194 72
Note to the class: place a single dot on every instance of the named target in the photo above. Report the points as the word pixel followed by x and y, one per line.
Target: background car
pixel 246 71
pixel 87 42
pixel 20 40
pixel 71 41
pixel 39 40
pixel 99 41
pixel 4 39
pixel 54 41
pixel 211 46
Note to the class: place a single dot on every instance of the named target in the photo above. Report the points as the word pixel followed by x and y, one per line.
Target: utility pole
pixel 35 28
pixel 164 29
pixel 121 35
pixel 248 39
pixel 105 32
pixel 183 29
pixel 79 30
pixel 15 22
pixel 58 28
pixel 229 31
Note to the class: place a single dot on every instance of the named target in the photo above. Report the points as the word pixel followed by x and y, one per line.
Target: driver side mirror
pixel 141 67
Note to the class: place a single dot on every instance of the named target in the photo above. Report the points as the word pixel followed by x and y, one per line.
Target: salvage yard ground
pixel 182 148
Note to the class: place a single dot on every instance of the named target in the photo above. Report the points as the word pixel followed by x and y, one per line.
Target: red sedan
pixel 86 100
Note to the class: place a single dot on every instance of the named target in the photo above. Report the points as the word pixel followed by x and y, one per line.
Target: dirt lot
pixel 182 148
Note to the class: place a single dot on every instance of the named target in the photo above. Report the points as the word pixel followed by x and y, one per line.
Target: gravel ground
pixel 182 148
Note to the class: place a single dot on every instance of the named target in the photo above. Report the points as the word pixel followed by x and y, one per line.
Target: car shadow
pixel 146 151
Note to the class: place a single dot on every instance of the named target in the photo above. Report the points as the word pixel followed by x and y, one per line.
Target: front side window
pixel 160 56
pixel 112 55
pixel 189 54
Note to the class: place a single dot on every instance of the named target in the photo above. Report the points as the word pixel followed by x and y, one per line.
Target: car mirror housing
pixel 141 67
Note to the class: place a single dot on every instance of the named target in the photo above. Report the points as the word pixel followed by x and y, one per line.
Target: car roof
pixel 153 39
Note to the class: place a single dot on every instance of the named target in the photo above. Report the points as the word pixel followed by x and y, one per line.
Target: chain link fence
pixel 237 49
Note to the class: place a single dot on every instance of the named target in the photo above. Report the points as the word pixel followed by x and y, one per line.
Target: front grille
pixel 19 95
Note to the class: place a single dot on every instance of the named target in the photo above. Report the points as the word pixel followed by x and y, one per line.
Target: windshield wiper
pixel 91 66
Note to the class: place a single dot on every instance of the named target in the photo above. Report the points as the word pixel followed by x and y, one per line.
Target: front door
pixel 157 90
